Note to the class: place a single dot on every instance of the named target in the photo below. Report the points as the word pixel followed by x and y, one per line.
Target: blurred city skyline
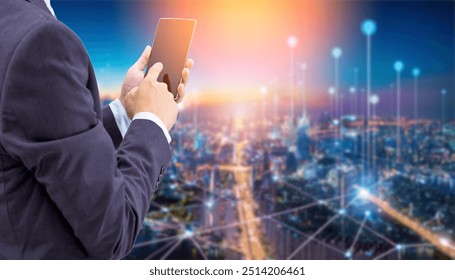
pixel 311 129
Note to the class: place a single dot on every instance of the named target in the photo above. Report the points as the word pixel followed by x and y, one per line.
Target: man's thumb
pixel 143 60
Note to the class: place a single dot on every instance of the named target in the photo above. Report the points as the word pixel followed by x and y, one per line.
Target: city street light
pixel 368 28
pixel 331 92
pixel 303 67
pixel 443 94
pixel 374 100
pixel 292 43
pixel 336 54
pixel 356 86
pixel 398 66
pixel 416 74
pixel 352 90
pixel 276 100
pixel 264 91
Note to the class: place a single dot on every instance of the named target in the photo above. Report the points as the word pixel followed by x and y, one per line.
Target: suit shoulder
pixel 52 32
pixel 28 28
pixel 50 39
pixel 21 17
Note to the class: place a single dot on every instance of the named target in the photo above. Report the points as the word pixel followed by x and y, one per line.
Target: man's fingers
pixel 185 76
pixel 154 71
pixel 129 93
pixel 143 60
pixel 189 63
pixel 181 93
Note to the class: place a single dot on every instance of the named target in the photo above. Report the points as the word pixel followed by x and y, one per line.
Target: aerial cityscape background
pixel 310 129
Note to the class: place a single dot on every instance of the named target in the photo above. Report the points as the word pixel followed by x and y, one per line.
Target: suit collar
pixel 40 4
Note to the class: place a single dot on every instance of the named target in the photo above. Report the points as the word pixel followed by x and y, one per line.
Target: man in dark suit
pixel 76 181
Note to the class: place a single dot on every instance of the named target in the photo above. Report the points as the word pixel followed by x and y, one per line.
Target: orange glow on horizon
pixel 240 45
pixel 244 42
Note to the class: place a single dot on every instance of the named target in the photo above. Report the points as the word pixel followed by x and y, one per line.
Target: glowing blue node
pixel 292 41
pixel 399 247
pixel 188 233
pixel 342 211
pixel 352 89
pixel 352 118
pixel 348 254
pixel 336 52
pixel 367 213
pixel 331 90
pixel 368 27
pixel 416 72
pixel 210 203
pixel 374 99
pixel 364 193
pixel 165 209
pixel 398 65
pixel 443 91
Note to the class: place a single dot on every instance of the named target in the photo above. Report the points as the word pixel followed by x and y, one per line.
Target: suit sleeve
pixel 49 123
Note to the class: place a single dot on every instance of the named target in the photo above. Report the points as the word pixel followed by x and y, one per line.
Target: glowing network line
pixel 171 250
pixel 359 231
pixel 154 241
pixel 324 226
pixel 325 244
pixel 198 247
pixel 158 251
pixel 233 249
pixel 366 227
pixel 309 239
pixel 257 219
pixel 385 253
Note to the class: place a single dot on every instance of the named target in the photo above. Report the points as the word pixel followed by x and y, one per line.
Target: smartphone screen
pixel 170 47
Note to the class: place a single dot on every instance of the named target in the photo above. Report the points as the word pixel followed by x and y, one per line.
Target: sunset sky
pixel 240 46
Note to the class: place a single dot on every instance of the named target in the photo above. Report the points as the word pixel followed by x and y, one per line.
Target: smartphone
pixel 171 46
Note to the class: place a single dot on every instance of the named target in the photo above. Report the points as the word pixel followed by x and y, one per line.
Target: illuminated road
pixel 443 244
pixel 250 236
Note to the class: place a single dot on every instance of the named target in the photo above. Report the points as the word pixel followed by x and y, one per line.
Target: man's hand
pixel 152 96
pixel 185 77
pixel 135 76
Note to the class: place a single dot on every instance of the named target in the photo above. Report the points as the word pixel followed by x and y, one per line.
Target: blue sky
pixel 420 33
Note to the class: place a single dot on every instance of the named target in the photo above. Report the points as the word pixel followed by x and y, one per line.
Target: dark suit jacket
pixel 65 191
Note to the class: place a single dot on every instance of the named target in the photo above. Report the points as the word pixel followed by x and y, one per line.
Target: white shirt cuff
pixel 123 122
pixel 120 116
pixel 154 118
